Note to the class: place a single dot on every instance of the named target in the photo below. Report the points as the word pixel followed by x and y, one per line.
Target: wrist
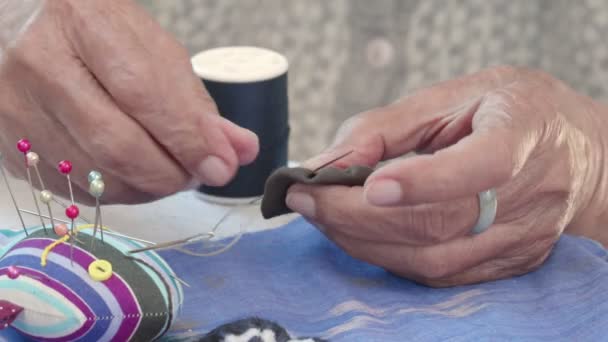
pixel 15 17
pixel 591 217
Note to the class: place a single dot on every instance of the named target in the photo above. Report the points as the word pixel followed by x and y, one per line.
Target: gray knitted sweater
pixel 351 55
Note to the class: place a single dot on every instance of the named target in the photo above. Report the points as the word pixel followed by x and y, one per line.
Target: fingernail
pixel 214 171
pixel 250 153
pixel 301 203
pixel 384 192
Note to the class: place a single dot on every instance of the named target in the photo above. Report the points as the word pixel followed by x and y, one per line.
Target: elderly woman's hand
pixel 102 84
pixel 522 132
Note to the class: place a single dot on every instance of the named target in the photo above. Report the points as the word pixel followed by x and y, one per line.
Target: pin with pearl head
pixel 96 189
pixel 46 196
pixel 31 160
pixel 72 211
pixel 13 272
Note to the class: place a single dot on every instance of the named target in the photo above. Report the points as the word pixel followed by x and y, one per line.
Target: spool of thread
pixel 249 86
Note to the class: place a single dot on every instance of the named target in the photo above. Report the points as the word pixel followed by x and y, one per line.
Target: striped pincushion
pixel 61 302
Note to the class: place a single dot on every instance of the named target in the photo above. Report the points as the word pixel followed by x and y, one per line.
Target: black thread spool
pixel 249 86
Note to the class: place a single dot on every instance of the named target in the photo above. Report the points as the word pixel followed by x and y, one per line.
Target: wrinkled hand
pixel 101 84
pixel 522 132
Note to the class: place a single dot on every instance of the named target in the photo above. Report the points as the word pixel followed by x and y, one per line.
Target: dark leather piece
pixel 273 202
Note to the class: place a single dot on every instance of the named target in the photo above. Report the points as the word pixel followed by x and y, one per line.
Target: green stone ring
pixel 487 211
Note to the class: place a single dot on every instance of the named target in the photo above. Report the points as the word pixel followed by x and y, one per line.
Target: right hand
pixel 101 84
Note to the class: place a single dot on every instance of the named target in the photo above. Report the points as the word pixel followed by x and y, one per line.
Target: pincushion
pixel 62 302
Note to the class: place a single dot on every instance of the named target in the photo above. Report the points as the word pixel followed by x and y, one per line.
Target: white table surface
pixel 172 218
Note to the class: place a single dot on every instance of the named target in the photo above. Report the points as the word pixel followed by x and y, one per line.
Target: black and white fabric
pixel 253 330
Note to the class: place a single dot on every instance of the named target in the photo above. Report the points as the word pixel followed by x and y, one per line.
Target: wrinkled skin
pixel 101 84
pixel 522 132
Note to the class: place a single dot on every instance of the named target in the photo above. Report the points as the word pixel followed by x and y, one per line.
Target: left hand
pixel 522 132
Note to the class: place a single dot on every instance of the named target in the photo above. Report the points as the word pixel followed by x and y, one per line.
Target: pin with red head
pixel 24 146
pixel 65 167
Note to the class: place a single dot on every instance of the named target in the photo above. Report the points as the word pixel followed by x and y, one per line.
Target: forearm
pixel 15 17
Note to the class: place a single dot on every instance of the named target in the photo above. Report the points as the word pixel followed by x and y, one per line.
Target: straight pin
pixel 65 167
pixel 64 206
pixel 175 243
pixel 10 191
pixel 46 196
pixel 72 213
pixel 96 189
pixel 100 221
pixel 344 155
pixel 31 160
pixel 72 237
pixel 111 233
pixel 29 180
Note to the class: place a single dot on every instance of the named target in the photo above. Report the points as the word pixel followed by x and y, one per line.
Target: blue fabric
pixel 294 276
pixel 298 278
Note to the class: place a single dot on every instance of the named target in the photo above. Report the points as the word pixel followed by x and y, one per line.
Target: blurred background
pixel 347 56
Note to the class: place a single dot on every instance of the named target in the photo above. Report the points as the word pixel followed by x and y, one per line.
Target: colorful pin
pixel 61 229
pixel 24 146
pixel 96 189
pixel 46 196
pixel 10 191
pixel 13 273
pixel 72 211
pixel 65 167
pixel 31 161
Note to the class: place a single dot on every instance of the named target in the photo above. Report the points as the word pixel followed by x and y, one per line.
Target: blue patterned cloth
pixel 299 279
pixel 296 277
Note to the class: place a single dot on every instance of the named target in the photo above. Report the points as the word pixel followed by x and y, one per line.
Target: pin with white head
pixel 46 196
pixel 96 188
pixel 10 191
pixel 31 160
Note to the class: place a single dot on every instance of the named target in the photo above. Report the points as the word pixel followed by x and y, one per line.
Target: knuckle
pixel 504 73
pixel 129 91
pixel 348 127
pixel 506 70
pixel 538 75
